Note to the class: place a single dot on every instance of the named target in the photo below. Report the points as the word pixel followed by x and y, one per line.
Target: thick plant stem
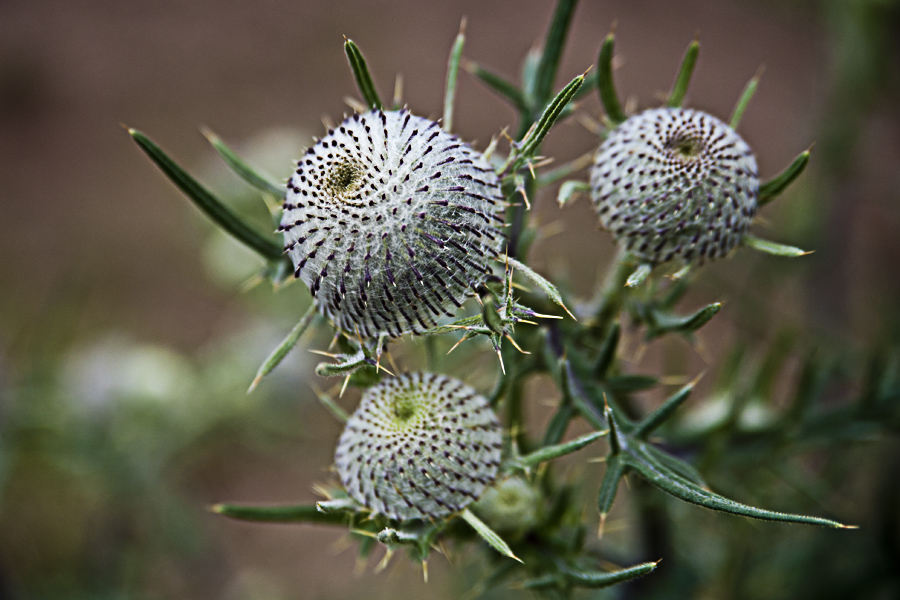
pixel 515 416
pixel 613 291
pixel 518 245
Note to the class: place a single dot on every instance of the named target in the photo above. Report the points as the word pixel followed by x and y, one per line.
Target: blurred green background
pixel 128 337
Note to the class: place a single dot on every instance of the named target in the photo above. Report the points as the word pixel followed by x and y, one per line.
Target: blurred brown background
pixel 90 230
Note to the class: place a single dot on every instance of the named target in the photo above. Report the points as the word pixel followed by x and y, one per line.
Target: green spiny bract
pixel 673 183
pixel 419 446
pixel 390 221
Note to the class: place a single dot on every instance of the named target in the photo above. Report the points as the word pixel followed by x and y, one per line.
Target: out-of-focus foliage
pixel 105 440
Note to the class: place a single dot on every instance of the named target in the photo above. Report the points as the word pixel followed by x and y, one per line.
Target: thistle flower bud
pixel 390 221
pixel 510 508
pixel 673 183
pixel 419 446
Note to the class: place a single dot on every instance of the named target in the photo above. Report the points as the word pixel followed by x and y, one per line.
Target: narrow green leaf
pixel 361 74
pixel 608 96
pixel 679 467
pixel 690 492
pixel 552 52
pixel 542 283
pixel 328 402
pixel 207 202
pixel 530 144
pixel 488 534
pixel 770 189
pixel 600 579
pixel 570 189
pixel 348 365
pixel 639 275
pixel 561 172
pixel 551 452
pixel 455 326
pixel 306 513
pixel 666 322
pixel 503 87
pixel 558 424
pixel 744 100
pixel 529 84
pixel 587 412
pixel 774 248
pixel 609 485
pixel 284 347
pixel 615 439
pixel 590 84
pixel 242 169
pixel 665 410
pixel 607 353
pixel 630 383
pixel 452 73
pixel 679 89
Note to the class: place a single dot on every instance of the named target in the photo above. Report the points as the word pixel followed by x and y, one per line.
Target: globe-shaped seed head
pixel 419 446
pixel 674 183
pixel 390 221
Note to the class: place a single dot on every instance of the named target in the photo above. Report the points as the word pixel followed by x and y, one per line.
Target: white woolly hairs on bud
pixel 391 221
pixel 419 446
pixel 673 183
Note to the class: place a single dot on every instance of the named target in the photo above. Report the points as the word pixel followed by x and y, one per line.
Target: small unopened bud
pixel 510 508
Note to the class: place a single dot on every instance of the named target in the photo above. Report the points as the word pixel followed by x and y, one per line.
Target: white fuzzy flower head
pixel 674 183
pixel 419 446
pixel 390 221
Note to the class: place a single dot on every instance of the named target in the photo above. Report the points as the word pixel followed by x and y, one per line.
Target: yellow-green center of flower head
pixel 674 183
pixel 404 407
pixel 343 179
pixel 419 446
pixel 391 222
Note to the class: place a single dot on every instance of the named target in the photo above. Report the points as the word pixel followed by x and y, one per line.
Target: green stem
pixel 553 47
pixel 612 294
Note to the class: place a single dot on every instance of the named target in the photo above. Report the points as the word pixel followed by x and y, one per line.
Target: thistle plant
pixel 393 223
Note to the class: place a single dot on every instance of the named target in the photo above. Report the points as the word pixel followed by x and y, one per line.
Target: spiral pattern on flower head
pixel 674 183
pixel 390 221
pixel 419 446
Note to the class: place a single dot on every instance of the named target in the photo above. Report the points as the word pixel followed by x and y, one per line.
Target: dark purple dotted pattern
pixel 390 221
pixel 672 183
pixel 419 446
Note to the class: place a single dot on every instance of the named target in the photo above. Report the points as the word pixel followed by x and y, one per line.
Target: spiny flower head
pixel 390 221
pixel 675 183
pixel 419 446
